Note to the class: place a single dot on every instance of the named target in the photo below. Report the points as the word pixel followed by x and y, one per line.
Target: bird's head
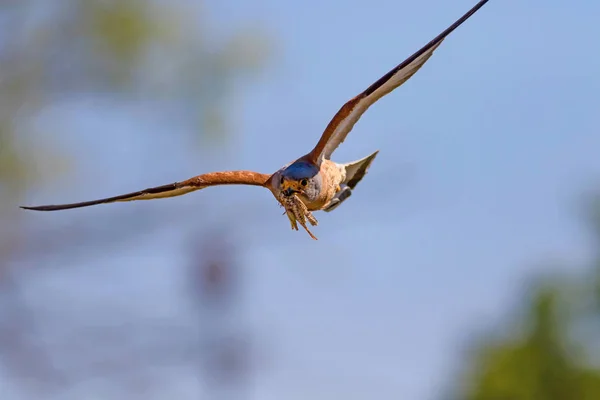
pixel 303 178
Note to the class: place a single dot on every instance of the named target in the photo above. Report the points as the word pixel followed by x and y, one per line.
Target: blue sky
pixel 484 153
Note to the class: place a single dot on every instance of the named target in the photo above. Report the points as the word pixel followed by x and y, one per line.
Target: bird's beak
pixel 288 188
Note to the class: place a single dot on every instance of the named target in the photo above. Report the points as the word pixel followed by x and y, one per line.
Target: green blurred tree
pixel 550 349
pixel 123 47
pixel 55 50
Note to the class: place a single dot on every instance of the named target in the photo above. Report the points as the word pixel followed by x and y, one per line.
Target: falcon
pixel 312 182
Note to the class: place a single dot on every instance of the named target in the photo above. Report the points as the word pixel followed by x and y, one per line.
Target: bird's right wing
pixel 343 122
pixel 173 189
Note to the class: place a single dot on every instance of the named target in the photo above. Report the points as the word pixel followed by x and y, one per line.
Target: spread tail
pixel 355 171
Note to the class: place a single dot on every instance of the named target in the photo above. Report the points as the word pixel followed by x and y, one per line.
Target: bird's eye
pixel 281 181
pixel 304 182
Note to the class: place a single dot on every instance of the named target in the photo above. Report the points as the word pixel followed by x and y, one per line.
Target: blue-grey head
pixel 301 177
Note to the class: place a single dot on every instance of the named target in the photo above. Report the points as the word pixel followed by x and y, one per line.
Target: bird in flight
pixel 312 182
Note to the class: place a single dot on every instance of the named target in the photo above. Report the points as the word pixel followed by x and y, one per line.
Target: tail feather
pixel 356 170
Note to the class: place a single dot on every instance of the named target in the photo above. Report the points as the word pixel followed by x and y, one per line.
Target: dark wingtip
pixel 40 208
pixel 54 208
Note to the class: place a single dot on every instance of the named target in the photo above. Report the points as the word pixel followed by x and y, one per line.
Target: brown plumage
pixel 312 182
pixel 172 189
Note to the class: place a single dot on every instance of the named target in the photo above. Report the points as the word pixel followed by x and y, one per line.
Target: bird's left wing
pixel 343 122
pixel 173 189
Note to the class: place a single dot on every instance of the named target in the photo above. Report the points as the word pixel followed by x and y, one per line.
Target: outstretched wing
pixel 349 114
pixel 173 189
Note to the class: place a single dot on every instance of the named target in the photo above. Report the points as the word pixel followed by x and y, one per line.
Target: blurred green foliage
pixel 54 49
pixel 56 52
pixel 550 347
pixel 123 28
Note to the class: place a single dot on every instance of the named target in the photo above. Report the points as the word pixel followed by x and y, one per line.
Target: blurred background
pixel 465 266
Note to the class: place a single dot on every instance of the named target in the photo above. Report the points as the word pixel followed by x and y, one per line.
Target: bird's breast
pixel 331 178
